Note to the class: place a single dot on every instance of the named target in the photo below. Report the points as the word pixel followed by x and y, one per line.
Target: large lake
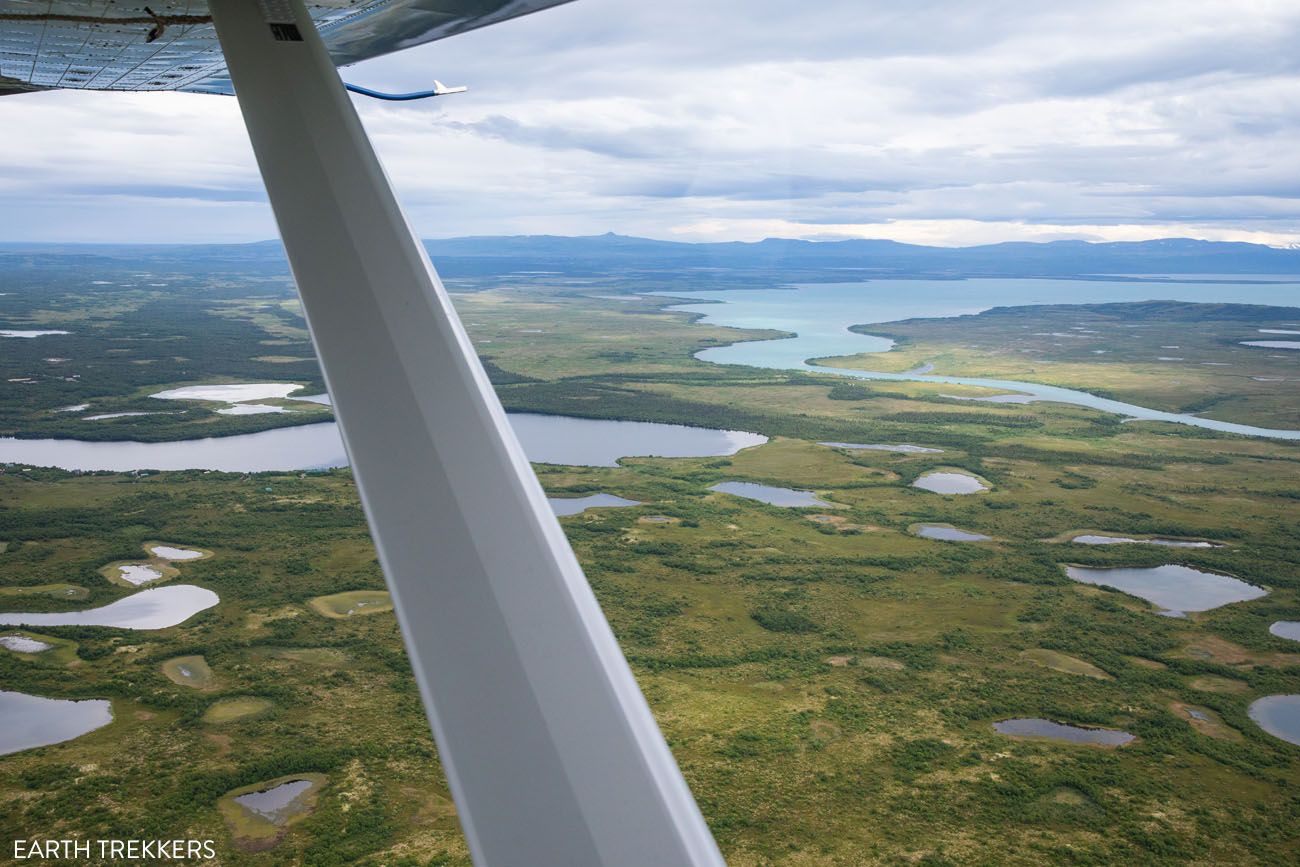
pixel 821 313
pixel 550 439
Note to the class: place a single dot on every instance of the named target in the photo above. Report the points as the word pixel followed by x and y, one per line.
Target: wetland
pixel 828 682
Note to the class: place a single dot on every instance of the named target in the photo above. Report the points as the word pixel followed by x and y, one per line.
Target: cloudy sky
pixel 932 122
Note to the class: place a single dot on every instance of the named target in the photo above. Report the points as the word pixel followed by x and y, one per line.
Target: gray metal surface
pixel 551 752
pixel 170 44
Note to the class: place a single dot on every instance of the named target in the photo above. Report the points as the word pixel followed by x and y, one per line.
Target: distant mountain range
pixel 597 254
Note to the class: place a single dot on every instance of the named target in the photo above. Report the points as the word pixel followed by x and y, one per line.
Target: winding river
pixel 820 315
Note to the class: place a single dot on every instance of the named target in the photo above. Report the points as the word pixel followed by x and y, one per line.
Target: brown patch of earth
pixel 839 522
pixel 1205 721
pixel 1215 683
pixel 1211 648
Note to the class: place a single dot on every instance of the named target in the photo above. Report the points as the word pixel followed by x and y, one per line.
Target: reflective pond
pixel 1092 539
pixel 167 552
pixel 1279 715
pixel 31 721
pixel 277 803
pixel 1175 589
pixel 773 496
pixel 947 534
pixel 1045 728
pixel 546 439
pixel 250 409
pixel 1286 629
pixel 157 608
pixel 230 392
pixel 23 644
pixel 138 573
pixel 576 505
pixel 887 447
pixel 949 483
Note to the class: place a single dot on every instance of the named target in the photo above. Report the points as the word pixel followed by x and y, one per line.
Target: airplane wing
pixel 551 752
pixel 171 44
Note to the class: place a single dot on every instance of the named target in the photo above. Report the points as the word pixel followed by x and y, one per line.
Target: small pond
pixel 31 721
pixel 250 409
pixel 137 574
pixel 1176 589
pixel 23 644
pixel 576 505
pixel 1279 715
pixel 1094 539
pixel 230 392
pixel 278 802
pixel 1286 629
pixel 167 552
pixel 1045 728
pixel 157 608
pixel 903 448
pixel 947 534
pixel 949 483
pixel 191 671
pixel 787 497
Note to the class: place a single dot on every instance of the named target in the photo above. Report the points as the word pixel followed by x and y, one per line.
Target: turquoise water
pixel 820 315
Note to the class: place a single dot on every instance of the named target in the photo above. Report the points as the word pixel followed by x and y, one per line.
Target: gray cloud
pixel 739 118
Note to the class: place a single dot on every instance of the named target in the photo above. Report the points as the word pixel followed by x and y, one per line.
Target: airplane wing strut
pixel 551 751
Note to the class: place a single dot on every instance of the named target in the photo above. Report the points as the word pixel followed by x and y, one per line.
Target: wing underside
pixel 171 44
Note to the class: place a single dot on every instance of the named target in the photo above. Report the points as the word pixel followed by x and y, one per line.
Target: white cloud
pixel 945 121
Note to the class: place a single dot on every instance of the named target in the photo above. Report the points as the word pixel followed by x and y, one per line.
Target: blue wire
pixel 392 97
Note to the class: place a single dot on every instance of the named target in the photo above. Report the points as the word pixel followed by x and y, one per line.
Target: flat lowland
pixel 828 687
pixel 1168 355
